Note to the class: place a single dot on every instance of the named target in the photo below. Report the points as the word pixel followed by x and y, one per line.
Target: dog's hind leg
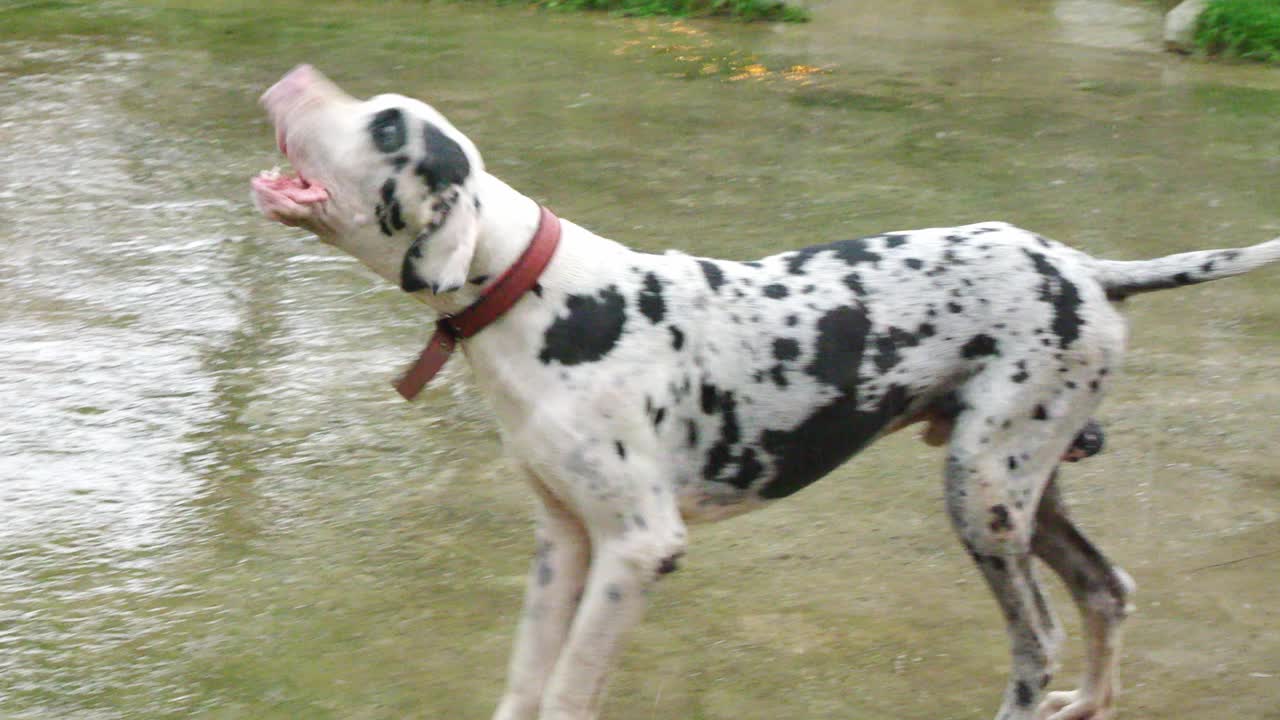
pixel 554 587
pixel 1100 591
pixel 997 537
pixel 1003 450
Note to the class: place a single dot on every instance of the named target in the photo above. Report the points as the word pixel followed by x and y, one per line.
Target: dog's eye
pixel 387 130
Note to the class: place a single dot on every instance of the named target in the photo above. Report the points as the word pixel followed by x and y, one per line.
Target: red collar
pixel 499 297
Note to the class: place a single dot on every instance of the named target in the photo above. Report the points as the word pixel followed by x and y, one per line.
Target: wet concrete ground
pixel 214 506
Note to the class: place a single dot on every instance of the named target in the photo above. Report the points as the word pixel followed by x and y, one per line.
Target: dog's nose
pixel 301 84
pixel 290 87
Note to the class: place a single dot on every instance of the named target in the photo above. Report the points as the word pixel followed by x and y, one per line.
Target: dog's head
pixel 387 179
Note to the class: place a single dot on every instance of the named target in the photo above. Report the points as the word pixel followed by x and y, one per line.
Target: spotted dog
pixel 639 392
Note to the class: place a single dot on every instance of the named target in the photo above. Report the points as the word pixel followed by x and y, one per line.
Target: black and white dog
pixel 640 392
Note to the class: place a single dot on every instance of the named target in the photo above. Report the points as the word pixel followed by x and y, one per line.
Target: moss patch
pixel 1241 28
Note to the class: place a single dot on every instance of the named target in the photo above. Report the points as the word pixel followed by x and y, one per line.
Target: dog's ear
pixel 440 256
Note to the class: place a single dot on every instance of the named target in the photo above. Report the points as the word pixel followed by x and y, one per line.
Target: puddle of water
pixel 214 507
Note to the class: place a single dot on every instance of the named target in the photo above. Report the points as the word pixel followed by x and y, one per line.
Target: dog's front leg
pixel 623 567
pixel 555 585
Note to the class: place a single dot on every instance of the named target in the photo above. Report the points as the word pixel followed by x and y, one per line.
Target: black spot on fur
pixel 842 337
pixel 1000 519
pixel 850 251
pixel 749 469
pixel 979 346
pixel 826 439
pixel 651 302
pixel 888 344
pixel 714 402
pixel 779 375
pixel 387 129
pixel 913 263
pixel 677 337
pixel 776 291
pixel 1023 695
pixel 409 280
pixel 388 210
pixel 589 331
pixel 1039 413
pixel 713 274
pixel 1021 376
pixel 445 163
pixel 620 448
pixel 893 241
pixel 441 207
pixel 723 464
pixel 1063 296
pixel 708 398
pixel 854 283
pixel 886 353
pixel 786 349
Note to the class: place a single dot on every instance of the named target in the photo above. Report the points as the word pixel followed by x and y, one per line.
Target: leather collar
pixel 496 299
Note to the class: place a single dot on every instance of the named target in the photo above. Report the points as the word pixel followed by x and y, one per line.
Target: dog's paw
pixel 1072 705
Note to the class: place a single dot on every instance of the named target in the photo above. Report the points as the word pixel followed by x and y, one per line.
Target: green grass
pixel 741 9
pixel 1247 29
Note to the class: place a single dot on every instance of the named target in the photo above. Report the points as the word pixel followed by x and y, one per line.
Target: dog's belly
pixel 748 442
pixel 728 479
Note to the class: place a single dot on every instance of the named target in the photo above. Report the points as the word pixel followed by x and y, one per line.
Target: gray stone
pixel 1180 25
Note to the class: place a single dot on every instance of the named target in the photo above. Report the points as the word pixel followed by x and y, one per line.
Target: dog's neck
pixel 508 221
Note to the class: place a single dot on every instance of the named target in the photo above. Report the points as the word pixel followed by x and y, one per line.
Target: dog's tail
pixel 1122 278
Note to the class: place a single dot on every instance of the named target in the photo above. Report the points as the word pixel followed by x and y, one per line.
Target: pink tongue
pixel 303 193
pixel 294 188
